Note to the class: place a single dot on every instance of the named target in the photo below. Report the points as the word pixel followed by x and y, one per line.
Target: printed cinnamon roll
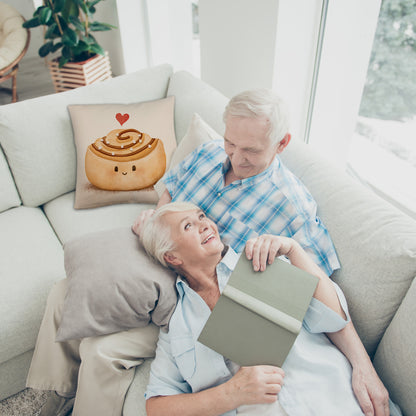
pixel 125 160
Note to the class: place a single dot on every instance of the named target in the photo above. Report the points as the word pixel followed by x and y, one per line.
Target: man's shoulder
pixel 209 151
pixel 288 183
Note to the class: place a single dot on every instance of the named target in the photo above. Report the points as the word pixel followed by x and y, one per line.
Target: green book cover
pixel 259 314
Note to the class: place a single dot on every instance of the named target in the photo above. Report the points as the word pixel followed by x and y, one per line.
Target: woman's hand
pixel 141 219
pixel 255 385
pixel 264 249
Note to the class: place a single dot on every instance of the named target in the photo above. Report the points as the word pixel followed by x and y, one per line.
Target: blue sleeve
pixel 319 318
pixel 173 178
pixel 165 378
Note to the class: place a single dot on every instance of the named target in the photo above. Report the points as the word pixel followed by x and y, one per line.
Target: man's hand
pixel 255 385
pixel 370 392
pixel 264 249
pixel 141 219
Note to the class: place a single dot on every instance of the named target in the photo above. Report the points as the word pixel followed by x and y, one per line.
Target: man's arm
pixel 368 388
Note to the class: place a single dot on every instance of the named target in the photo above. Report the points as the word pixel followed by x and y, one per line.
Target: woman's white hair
pixel 156 235
pixel 261 104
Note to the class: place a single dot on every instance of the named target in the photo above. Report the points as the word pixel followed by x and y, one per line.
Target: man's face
pixel 247 146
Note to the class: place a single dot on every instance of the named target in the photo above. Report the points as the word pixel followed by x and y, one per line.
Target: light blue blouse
pixel 317 375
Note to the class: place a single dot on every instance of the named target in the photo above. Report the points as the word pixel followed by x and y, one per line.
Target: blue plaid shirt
pixel 272 202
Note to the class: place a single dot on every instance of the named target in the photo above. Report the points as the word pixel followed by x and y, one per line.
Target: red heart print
pixel 122 118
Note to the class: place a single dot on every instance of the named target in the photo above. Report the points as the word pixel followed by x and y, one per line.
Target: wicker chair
pixel 14 42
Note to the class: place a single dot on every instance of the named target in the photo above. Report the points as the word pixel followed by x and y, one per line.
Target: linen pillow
pixel 198 133
pixel 113 285
pixel 122 150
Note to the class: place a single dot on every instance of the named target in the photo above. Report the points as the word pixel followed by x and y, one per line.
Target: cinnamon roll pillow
pixel 122 151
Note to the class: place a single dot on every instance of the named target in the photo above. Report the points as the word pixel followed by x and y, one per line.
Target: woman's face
pixel 195 236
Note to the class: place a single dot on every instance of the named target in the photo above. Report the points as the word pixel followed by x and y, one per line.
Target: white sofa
pixel 376 244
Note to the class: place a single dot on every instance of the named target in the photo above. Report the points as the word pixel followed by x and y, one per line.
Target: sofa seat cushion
pixel 69 223
pixel 41 151
pixel 134 404
pixel 31 261
pixel 9 196
pixel 375 242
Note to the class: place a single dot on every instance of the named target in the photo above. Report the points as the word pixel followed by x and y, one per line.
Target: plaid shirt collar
pixel 252 180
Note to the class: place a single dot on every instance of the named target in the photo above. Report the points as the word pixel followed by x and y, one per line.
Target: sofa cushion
pixel 31 260
pixel 41 150
pixel 374 241
pixel 9 196
pixel 70 223
pixel 122 150
pixel 198 133
pixel 195 96
pixel 394 359
pixel 113 286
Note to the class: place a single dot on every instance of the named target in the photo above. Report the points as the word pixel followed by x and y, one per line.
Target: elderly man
pixel 242 185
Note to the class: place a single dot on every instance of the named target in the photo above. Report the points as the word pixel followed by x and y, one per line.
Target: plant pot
pixel 78 74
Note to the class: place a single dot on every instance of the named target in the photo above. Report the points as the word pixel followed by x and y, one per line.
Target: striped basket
pixel 78 74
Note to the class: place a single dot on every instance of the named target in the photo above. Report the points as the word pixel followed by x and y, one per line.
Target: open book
pixel 259 314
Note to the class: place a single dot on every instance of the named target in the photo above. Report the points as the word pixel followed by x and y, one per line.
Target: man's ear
pixel 283 143
pixel 170 258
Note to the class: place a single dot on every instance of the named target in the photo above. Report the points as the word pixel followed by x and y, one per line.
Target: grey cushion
pixel 113 286
pixel 31 260
pixel 375 242
pixel 9 196
pixel 41 151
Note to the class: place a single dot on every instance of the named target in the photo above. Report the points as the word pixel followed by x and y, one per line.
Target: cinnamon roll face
pixel 125 160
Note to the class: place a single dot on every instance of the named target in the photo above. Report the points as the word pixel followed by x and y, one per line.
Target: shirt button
pixel 219 194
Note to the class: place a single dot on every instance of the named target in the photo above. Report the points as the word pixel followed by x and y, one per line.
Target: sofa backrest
pixel 9 196
pixel 36 135
pixel 376 245
pixel 195 96
pixel 375 242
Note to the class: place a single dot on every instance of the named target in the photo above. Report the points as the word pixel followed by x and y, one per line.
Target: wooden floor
pixel 33 80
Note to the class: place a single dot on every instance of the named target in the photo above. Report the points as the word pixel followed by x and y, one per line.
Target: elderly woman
pixel 187 378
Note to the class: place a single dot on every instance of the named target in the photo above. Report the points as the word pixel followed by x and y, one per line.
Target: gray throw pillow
pixel 113 285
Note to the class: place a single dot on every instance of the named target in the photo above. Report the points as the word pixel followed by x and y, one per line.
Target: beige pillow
pixel 113 286
pixel 198 132
pixel 122 150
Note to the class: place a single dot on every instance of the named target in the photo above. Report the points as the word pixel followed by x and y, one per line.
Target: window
pixel 383 147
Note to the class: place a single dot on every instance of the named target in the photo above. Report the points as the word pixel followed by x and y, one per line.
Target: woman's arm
pixel 250 385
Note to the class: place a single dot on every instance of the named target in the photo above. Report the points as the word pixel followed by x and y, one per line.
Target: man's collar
pixel 252 179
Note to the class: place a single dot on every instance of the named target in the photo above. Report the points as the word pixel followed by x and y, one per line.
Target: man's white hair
pixel 261 104
pixel 156 235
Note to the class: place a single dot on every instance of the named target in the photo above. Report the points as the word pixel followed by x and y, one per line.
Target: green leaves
pixel 68 25
pixel 390 87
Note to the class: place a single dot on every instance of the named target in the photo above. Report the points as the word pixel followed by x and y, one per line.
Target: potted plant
pixel 68 32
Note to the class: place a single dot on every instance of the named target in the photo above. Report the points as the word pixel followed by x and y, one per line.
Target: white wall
pixel 170 33
pixel 261 44
pixel 238 42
